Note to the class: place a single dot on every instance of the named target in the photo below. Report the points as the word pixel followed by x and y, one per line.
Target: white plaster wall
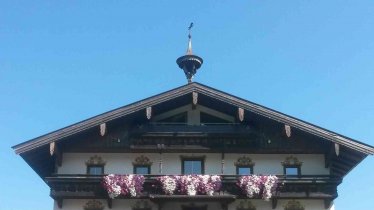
pixel 126 204
pixel 121 163
pixel 266 205
pixel 313 164
pixel 117 204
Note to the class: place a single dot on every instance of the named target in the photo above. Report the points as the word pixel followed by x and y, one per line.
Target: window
pixel 291 166
pixel 142 170
pixel 95 165
pixel 291 171
pixel 244 166
pixel 95 169
pixel 192 165
pixel 243 170
pixel 142 165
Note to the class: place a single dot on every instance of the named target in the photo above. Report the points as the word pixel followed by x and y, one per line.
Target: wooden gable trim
pixel 102 118
pixel 183 90
pixel 286 119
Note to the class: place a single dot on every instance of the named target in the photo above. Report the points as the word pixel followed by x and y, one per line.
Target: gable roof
pixel 187 89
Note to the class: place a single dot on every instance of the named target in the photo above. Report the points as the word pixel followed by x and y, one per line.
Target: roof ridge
pixel 182 90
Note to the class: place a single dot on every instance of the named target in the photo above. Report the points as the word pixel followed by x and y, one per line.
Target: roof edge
pixel 185 89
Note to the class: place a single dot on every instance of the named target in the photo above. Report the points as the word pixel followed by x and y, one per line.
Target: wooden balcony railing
pixel 183 129
pixel 65 186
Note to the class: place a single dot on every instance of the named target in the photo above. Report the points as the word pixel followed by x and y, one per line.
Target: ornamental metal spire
pixel 189 48
pixel 189 63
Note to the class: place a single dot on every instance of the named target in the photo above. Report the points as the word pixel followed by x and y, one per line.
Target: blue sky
pixel 65 61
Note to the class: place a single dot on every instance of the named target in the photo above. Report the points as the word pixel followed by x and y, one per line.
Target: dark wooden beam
pixel 58 156
pixel 328 157
pixel 59 202
pixel 340 171
pixel 274 203
pixel 328 203
pixel 224 206
pixel 110 202
pixel 350 154
pixel 67 194
pixel 340 165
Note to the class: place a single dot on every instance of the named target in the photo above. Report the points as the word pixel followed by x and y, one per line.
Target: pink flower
pixel 263 186
pixel 123 184
pixel 190 184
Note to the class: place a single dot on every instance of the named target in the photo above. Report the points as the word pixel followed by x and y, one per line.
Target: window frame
pixel 142 161
pixel 292 162
pixel 244 162
pixel 143 166
pixel 244 166
pixel 95 161
pixel 201 158
pixel 298 167
pixel 95 165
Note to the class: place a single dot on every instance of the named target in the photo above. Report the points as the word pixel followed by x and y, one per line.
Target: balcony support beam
pixel 328 203
pixel 59 202
pixel 274 203
pixel 109 202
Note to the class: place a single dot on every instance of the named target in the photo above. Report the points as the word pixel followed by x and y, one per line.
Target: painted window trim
pixel 237 169
pixel 145 166
pixel 94 165
pixel 186 158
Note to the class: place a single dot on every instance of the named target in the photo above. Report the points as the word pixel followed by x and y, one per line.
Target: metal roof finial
pixel 189 48
pixel 189 63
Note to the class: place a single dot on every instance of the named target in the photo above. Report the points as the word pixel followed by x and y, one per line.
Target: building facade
pixel 152 155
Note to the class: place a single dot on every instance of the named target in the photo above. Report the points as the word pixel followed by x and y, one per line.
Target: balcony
pixel 185 130
pixel 75 186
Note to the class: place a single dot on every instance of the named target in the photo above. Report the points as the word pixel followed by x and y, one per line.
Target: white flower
pixel 132 191
pixel 115 191
pixel 191 189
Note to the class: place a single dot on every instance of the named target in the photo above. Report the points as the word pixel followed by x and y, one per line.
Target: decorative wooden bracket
pixel 54 151
pixel 52 148
pixel 102 129
pixel 194 98
pixel 337 148
pixel 148 112
pixel 241 114
pixel 287 129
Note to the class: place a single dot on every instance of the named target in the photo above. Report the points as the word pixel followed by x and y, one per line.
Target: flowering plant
pixel 190 184
pixel 123 184
pixel 168 184
pixel 254 185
